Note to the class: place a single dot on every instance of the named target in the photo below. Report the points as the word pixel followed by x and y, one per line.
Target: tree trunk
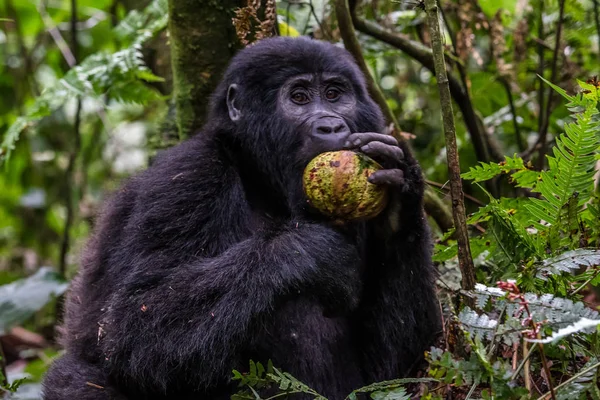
pixel 203 40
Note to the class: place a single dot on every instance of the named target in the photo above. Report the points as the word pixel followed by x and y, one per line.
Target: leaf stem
pixel 571 379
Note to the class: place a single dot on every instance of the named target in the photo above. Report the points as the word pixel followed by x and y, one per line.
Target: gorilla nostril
pixel 324 129
pixel 339 128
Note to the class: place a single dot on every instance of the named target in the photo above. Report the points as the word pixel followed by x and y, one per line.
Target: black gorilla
pixel 212 256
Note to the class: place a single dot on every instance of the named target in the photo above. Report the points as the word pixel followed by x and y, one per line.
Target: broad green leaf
pixel 21 299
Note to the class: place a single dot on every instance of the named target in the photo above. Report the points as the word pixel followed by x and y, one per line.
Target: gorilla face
pixel 318 107
pixel 315 108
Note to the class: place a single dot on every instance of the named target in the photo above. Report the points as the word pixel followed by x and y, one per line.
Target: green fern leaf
pixel 570 262
pixel 571 166
pixel 520 172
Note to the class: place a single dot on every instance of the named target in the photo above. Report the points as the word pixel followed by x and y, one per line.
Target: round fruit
pixel 336 185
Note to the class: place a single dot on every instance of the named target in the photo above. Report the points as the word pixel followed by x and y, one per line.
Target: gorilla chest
pixel 314 348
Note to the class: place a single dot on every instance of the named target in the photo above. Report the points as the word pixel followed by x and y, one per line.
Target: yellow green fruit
pixel 336 185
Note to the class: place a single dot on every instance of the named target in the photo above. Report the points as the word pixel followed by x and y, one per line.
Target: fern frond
pixel 136 26
pixel 570 262
pixel 563 316
pixel 520 172
pixel 572 164
pixel 479 326
pixel 258 378
pixel 388 387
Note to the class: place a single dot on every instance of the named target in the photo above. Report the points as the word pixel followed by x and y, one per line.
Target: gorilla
pixel 212 256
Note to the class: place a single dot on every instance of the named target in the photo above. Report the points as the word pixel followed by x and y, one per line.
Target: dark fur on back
pixel 209 259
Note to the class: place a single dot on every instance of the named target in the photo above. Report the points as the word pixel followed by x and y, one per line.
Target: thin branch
pixel 56 36
pixel 445 187
pixel 547 370
pixel 91 22
pixel 513 111
pixel 572 379
pixel 597 19
pixel 69 182
pixel 458 203
pixel 342 11
pixel 584 284
pixel 524 361
pixel 545 119
pixel 468 104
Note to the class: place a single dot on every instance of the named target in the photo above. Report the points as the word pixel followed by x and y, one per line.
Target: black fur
pixel 211 258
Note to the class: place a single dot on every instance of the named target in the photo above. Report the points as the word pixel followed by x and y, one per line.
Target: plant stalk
pixel 456 191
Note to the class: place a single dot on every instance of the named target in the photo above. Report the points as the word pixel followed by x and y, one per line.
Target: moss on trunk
pixel 203 40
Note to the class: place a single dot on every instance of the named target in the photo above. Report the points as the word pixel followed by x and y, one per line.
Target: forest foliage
pixel 78 118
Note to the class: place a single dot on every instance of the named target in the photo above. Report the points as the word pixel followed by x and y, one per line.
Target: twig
pixel 527 364
pixel 342 11
pixel 56 36
pixel 597 18
pixel 513 112
pixel 473 386
pixel 458 205
pixel 545 119
pixel 447 189
pixel 70 171
pixel 547 371
pixel 541 47
pixel 526 355
pixel 462 73
pixel 584 284
pixel 571 379
pixel 22 74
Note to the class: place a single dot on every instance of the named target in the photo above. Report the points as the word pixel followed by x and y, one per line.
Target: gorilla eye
pixel 299 98
pixel 332 94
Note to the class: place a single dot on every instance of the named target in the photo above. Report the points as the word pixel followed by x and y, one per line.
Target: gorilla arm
pixel 399 314
pixel 189 323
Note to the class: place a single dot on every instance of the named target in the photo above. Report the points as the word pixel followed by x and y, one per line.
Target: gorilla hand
pixel 401 173
pixel 383 148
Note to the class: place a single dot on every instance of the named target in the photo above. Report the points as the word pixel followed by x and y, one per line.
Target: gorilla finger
pixel 387 177
pixel 378 149
pixel 361 138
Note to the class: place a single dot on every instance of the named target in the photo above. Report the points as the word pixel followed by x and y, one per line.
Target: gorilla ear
pixel 234 112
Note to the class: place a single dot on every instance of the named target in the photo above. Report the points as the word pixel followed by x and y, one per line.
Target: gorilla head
pixel 284 100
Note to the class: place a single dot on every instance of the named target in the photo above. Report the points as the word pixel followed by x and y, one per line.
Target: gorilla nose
pixel 325 126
